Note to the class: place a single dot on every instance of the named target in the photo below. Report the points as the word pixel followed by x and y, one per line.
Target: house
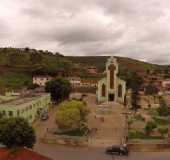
pixel 77 82
pixel 41 79
pixel 111 88
pixel 20 154
pixel 92 70
pixel 29 107
pixel 74 81
pixel 166 84
pixel 89 83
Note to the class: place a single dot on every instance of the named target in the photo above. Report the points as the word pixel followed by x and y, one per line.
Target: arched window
pixel 103 90
pixel 119 90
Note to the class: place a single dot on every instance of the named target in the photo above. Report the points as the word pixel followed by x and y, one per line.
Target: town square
pixel 84 80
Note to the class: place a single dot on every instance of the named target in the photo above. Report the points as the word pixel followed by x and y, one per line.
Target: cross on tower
pixel 112 68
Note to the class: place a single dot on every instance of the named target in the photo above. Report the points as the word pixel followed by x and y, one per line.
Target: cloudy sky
pixel 132 28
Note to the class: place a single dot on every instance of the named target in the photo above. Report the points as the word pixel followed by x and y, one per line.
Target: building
pixel 41 79
pixel 20 154
pixel 92 70
pixel 111 87
pixel 90 83
pixel 77 82
pixel 29 107
pixel 74 81
pixel 166 84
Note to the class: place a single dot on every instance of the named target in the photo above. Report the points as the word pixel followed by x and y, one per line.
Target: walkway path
pixel 109 123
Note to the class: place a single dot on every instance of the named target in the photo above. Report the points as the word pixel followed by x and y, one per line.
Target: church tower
pixel 111 88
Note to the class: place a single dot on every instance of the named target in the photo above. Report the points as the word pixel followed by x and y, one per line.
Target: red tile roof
pixel 20 154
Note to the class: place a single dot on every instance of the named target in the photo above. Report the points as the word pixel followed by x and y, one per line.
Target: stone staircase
pixel 111 130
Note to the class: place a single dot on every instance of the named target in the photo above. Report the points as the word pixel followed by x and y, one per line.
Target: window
pixel 10 113
pixel 120 90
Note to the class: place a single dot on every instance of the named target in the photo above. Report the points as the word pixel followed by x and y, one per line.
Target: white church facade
pixel 111 88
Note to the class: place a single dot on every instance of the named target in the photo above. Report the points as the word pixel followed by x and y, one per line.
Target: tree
pixel 135 85
pixel 71 114
pixel 149 127
pixel 151 90
pixel 59 89
pixel 16 132
pixel 163 109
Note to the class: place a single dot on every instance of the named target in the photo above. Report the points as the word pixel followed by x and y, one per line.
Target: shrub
pixel 16 132
pixel 163 130
pixel 71 114
pixel 149 127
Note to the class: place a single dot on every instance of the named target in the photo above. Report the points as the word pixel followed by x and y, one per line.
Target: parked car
pixel 117 150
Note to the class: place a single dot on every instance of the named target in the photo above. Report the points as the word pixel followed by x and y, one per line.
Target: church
pixel 111 88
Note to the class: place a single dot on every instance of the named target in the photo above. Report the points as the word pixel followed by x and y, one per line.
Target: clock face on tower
pixel 111 69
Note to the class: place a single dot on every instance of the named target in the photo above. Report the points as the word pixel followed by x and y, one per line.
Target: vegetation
pixel 149 127
pixel 71 115
pixel 161 120
pixel 163 109
pixel 16 132
pixel 135 84
pixel 135 134
pixel 151 90
pixel 163 131
pixel 59 89
pixel 17 66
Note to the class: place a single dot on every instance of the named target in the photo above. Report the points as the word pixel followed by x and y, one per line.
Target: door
pixel 111 97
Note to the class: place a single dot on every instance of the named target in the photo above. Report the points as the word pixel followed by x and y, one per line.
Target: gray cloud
pixel 132 28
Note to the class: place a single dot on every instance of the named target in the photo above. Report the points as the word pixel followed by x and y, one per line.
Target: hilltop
pixel 124 63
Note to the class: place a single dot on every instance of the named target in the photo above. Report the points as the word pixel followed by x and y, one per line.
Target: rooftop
pixel 20 154
pixel 21 100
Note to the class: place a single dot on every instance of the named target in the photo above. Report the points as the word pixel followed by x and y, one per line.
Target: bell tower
pixel 111 70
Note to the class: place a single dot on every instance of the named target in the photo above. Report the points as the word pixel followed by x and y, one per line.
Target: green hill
pixel 17 66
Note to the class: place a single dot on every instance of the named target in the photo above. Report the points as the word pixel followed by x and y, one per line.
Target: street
pixel 57 152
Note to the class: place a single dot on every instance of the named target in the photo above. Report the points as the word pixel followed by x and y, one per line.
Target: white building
pixel 41 80
pixel 111 87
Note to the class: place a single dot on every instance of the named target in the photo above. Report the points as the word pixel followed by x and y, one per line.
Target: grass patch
pixel 161 121
pixel 135 134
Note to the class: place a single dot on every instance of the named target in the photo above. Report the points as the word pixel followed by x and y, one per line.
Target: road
pixel 66 153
